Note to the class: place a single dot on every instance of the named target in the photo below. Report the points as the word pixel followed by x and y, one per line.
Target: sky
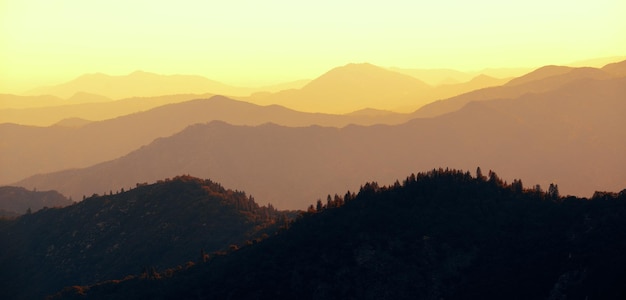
pixel 252 43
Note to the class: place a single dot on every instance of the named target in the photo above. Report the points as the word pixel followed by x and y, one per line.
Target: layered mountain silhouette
pixel 442 234
pixel 17 200
pixel 349 88
pixel 72 123
pixel 169 224
pixel 50 115
pixel 438 77
pixel 139 84
pixel 146 84
pixel 31 150
pixel 358 86
pixel 345 89
pixel 541 80
pixel 572 135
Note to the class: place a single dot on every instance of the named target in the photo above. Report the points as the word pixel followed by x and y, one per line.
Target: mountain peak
pixel 363 75
pixel 141 73
pixel 84 97
pixel 139 84
pixel 616 69
pixel 541 73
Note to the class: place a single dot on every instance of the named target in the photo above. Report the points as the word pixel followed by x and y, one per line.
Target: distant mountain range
pixel 340 90
pixel 538 81
pixel 572 136
pixel 99 111
pixel 30 150
pixel 357 86
pixel 437 77
pixel 138 84
pixel 346 89
pixel 78 143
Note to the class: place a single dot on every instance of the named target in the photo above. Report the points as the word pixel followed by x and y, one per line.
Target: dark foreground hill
pixel 437 235
pixel 151 227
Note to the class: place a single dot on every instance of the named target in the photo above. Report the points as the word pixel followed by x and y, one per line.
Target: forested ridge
pixel 151 228
pixel 443 234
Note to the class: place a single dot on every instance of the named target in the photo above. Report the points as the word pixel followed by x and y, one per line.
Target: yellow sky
pixel 245 42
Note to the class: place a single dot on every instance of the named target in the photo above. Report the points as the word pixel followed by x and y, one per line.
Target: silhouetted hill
pixel 160 226
pixel 617 69
pixel 31 150
pixel 139 84
pixel 72 122
pixel 539 74
pixel 573 135
pixel 436 235
pixel 597 62
pixel 355 87
pixel 349 88
pixel 19 200
pixel 542 80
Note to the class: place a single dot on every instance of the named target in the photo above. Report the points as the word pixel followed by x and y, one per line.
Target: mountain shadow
pixel 437 235
pixel 149 228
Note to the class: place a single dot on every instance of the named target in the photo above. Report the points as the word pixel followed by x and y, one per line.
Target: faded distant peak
pixel 72 123
pixel 504 72
pixel 435 76
pixel 361 74
pixel 83 97
pixel 139 84
pixel 370 112
pixel 482 78
pixel 349 88
pixel 597 62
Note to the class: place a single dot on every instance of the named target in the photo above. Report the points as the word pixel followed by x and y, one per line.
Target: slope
pixel 157 226
pixel 573 136
pixel 437 235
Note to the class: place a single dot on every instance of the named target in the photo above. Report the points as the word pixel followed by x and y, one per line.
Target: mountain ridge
pixel 398 241
pixel 138 84
pixel 571 125
pixel 38 150
pixel 168 224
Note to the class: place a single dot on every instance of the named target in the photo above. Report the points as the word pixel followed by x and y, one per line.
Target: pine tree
pixel 553 191
pixel 479 174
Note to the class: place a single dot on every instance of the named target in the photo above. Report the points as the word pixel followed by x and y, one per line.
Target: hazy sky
pixel 257 42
